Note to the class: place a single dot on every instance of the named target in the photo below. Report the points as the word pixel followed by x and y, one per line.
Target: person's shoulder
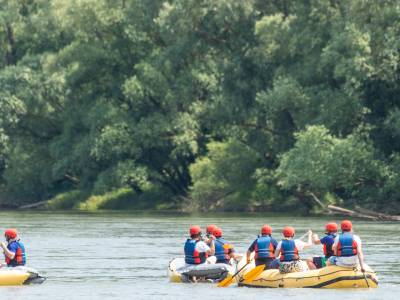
pixel 201 244
pixel 13 245
pixel 323 239
pixel 357 237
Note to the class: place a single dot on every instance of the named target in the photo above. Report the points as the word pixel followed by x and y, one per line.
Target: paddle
pixel 228 280
pixel 249 276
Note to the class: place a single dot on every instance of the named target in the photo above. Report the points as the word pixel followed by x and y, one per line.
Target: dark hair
pixel 193 236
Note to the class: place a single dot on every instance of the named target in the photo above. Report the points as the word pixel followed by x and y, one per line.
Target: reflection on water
pixel 125 256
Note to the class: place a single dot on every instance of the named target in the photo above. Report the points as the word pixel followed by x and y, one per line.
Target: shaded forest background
pixel 200 105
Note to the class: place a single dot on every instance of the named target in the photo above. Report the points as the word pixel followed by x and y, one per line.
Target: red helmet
pixel 346 225
pixel 266 229
pixel 194 230
pixel 331 227
pixel 217 232
pixel 210 228
pixel 288 231
pixel 11 233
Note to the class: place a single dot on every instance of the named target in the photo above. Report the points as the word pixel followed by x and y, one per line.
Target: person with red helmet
pixel 14 250
pixel 327 242
pixel 288 251
pixel 347 248
pixel 196 250
pixel 264 247
pixel 209 232
pixel 224 250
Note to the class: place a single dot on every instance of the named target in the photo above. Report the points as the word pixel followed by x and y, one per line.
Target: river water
pixel 125 256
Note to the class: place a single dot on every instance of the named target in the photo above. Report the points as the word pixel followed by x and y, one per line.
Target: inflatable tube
pixel 179 271
pixel 19 276
pixel 333 277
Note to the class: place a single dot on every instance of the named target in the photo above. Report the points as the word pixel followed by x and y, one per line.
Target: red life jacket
pixel 347 246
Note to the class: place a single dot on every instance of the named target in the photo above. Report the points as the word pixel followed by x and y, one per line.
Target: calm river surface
pixel 125 256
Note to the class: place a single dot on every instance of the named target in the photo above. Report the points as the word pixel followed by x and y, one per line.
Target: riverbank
pixel 126 199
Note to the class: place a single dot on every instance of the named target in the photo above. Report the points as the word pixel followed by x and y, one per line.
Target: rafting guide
pixel 15 271
pixel 269 263
pixel 14 249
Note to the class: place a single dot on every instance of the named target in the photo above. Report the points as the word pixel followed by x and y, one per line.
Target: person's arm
pixel 250 250
pixel 334 246
pixel 309 242
pixel 278 249
pixel 316 239
pixel 7 252
pixel 212 246
pixel 360 256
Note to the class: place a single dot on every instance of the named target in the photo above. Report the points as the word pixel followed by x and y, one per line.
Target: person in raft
pixel 196 250
pixel 14 250
pixel 288 250
pixel 209 232
pixel 347 248
pixel 224 250
pixel 264 247
pixel 318 262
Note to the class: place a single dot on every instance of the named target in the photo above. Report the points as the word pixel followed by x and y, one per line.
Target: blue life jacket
pixel 221 253
pixel 289 251
pixel 20 256
pixel 264 247
pixel 192 256
pixel 347 246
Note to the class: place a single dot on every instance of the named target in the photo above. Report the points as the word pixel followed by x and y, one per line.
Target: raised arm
pixel 309 242
pixel 316 239
pixel 212 246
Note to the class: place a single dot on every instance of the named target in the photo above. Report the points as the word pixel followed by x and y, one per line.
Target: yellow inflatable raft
pixel 19 276
pixel 179 271
pixel 332 277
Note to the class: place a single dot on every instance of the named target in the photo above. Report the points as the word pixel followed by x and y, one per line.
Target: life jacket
pixel 289 251
pixel 264 247
pixel 19 258
pixel 347 246
pixel 221 253
pixel 192 256
pixel 328 251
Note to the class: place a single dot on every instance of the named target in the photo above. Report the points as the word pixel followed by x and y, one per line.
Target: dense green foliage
pixel 208 104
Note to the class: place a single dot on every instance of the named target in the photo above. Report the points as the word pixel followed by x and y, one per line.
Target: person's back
pixel 347 248
pixel 196 251
pixel 347 244
pixel 327 242
pixel 14 251
pixel 263 247
pixel 288 251
pixel 222 250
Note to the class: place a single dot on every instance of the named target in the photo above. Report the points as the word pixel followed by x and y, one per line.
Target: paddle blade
pixel 227 246
pixel 226 282
pixel 249 276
